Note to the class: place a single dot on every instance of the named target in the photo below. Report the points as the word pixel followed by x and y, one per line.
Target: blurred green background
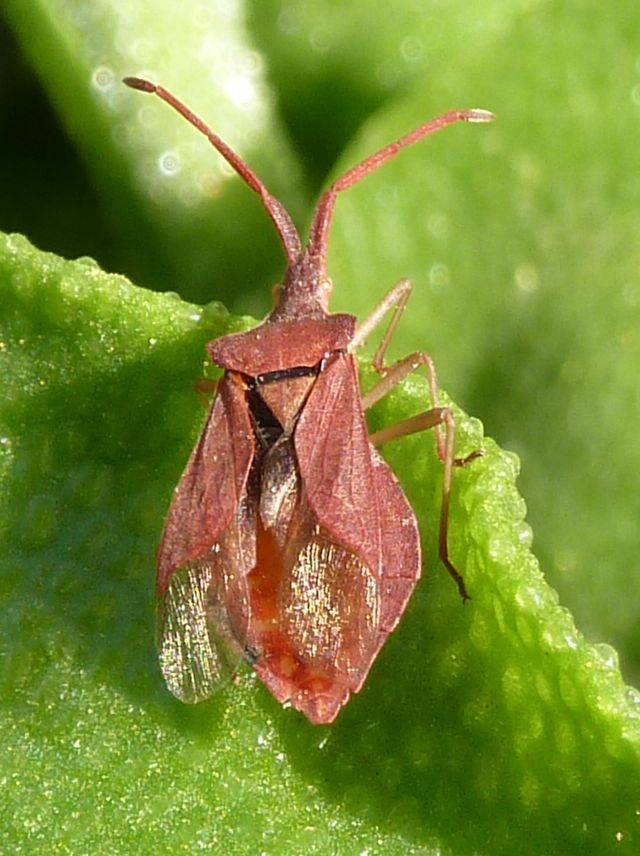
pixel 521 237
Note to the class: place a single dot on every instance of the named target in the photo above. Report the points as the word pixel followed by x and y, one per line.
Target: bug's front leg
pixel 439 418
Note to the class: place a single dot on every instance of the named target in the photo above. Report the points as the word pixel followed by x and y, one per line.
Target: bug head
pixel 306 287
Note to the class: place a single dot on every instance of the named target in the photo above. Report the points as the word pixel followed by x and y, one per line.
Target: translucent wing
pixel 207 551
pixel 338 553
pixel 204 615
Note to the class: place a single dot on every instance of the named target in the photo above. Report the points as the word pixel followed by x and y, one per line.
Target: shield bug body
pixel 289 541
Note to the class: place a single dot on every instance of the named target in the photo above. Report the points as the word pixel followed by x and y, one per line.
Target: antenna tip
pixel 479 116
pixel 139 83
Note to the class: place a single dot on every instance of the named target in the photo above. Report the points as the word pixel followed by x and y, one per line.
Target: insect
pixel 289 541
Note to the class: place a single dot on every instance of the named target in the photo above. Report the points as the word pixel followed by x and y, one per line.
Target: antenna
pixel 324 211
pixel 274 208
pixel 319 234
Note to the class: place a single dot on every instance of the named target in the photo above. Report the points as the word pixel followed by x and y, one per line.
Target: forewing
pixel 330 606
pixel 315 617
pixel 206 553
pixel 353 555
pixel 316 605
pixel 203 616
pixel 212 484
pixel 325 598
pixel 334 612
pixel 352 491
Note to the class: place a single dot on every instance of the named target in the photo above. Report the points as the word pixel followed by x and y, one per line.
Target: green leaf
pixel 498 713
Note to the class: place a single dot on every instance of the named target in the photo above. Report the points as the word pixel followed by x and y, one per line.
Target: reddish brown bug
pixel 289 540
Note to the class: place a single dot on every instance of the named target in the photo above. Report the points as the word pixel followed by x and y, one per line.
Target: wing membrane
pixel 207 551
pixel 336 568
pixel 204 615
